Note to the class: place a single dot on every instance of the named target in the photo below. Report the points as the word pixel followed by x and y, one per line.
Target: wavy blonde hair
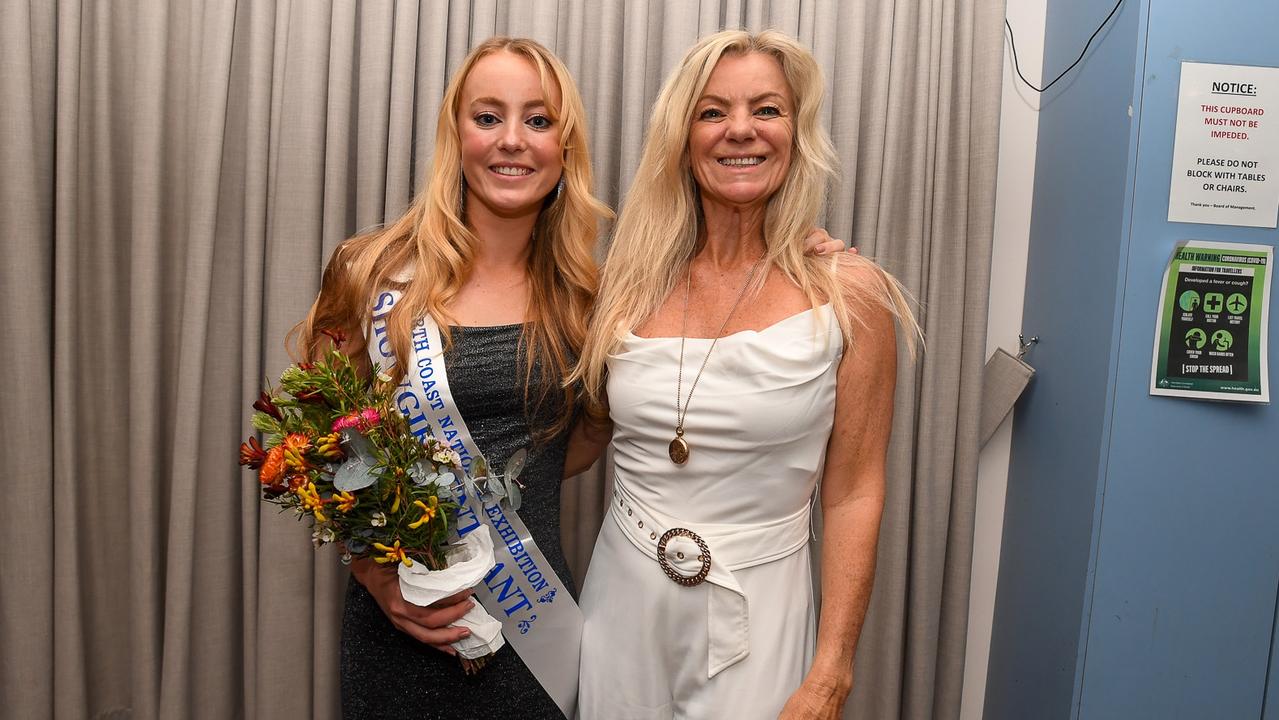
pixel 432 242
pixel 658 227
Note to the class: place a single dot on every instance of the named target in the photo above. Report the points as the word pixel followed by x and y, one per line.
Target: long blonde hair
pixel 432 242
pixel 657 229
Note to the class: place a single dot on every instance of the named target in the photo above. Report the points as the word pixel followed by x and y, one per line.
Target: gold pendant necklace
pixel 679 448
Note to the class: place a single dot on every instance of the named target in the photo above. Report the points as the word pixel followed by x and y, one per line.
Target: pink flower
pixel 346 422
pixel 362 420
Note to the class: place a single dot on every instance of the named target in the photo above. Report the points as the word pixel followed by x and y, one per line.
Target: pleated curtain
pixel 173 175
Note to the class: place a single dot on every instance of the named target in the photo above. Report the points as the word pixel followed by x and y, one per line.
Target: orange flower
pixel 272 467
pixel 345 501
pixel 295 447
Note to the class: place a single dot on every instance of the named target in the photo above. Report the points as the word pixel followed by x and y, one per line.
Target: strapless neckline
pixel 630 336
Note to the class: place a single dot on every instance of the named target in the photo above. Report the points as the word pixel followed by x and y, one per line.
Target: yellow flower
pixel 428 512
pixel 295 447
pixel 395 506
pixel 330 447
pixel 312 501
pixel 345 500
pixel 392 553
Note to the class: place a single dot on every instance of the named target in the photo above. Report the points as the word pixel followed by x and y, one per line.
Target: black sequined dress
pixel 387 674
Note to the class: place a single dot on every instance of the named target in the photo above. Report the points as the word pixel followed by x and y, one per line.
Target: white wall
pixel 1018 130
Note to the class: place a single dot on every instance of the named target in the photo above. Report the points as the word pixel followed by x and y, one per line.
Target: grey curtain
pixel 174 176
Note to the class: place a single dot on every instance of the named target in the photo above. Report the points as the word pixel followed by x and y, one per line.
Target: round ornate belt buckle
pixel 704 558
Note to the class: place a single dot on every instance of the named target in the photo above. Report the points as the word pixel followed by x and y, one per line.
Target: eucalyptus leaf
pixel 480 466
pixel 352 475
pixel 495 488
pixel 513 495
pixel 423 474
pixel 515 465
pixel 359 447
pixel 445 492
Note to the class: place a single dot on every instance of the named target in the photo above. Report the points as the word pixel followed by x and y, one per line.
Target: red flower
pixel 252 454
pixel 266 404
pixel 310 396
pixel 337 336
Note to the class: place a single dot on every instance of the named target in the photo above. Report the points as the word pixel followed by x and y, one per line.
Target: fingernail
pixel 466 633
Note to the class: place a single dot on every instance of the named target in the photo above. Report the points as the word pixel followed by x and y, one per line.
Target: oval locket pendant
pixel 678 449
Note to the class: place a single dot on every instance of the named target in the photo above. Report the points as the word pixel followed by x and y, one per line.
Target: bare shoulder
pixel 873 296
pixel 859 275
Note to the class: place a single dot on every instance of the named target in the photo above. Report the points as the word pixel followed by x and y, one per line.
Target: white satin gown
pixel 738 644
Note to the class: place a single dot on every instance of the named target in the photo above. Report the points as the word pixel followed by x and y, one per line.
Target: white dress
pixel 738 644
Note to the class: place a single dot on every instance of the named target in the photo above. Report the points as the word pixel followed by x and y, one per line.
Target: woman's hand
pixel 818 698
pixel 429 625
pixel 819 242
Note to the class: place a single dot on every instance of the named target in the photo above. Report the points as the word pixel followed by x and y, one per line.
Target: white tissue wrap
pixel 469 562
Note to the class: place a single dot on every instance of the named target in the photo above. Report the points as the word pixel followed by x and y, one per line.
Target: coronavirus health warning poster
pixel 1210 338
pixel 1225 159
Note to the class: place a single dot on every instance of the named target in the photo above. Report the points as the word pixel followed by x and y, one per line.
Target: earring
pixel 461 194
pixel 555 194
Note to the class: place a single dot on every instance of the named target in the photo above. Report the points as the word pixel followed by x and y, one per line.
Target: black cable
pixel 1083 52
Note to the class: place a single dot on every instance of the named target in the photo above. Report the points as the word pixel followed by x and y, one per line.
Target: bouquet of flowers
pixel 337 452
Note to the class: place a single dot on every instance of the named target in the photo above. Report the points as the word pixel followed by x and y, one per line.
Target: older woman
pixel 729 359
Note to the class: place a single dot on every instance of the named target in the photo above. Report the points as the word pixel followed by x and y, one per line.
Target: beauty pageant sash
pixel 538 615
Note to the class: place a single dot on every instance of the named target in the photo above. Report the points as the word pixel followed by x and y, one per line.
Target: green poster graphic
pixel 1211 334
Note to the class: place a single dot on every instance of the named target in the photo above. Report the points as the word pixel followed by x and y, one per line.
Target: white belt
pixel 711 552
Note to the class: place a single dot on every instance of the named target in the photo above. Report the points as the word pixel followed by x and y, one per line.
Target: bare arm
pixel 586 442
pixel 852 497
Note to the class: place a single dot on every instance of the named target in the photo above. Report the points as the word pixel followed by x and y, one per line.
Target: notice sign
pixel 1210 338
pixel 1225 160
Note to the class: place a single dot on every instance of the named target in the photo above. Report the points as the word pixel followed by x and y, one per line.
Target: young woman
pixel 497 251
